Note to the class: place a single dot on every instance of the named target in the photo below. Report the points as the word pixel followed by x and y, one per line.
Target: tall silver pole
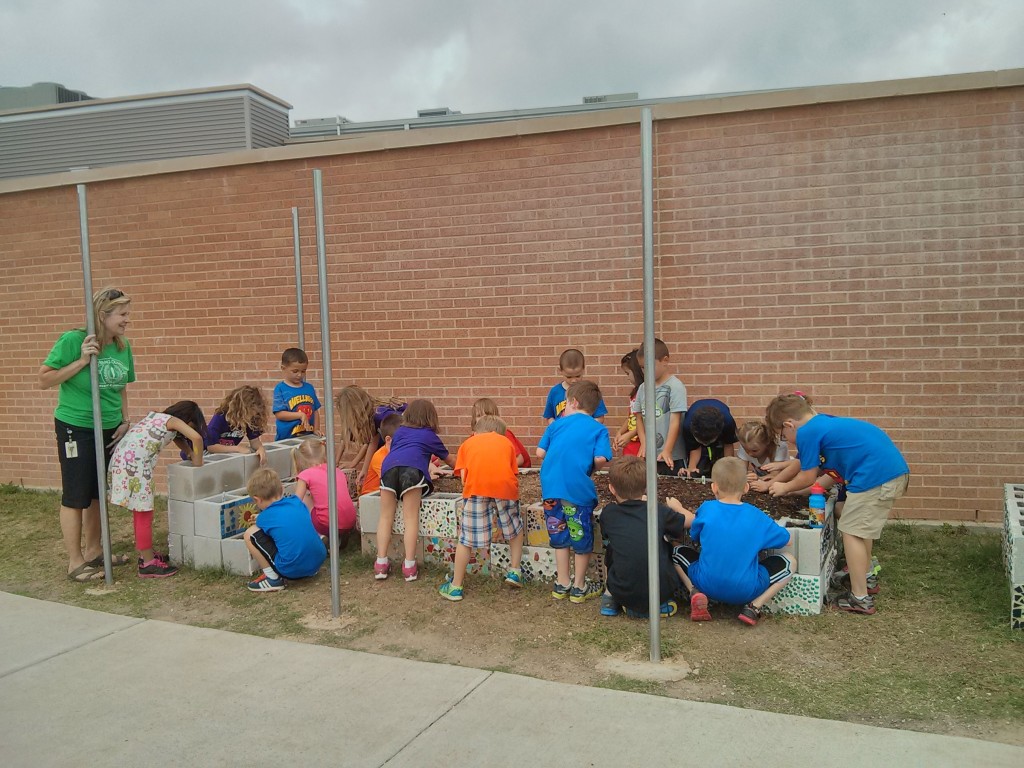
pixel 653 543
pixel 298 277
pixel 325 344
pixel 94 384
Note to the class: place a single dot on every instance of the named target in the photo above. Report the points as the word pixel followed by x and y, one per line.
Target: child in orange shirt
pixel 390 423
pixel 490 483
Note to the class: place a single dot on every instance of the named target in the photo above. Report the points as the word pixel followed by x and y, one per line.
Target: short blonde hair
pixel 786 407
pixel 490 424
pixel 729 474
pixel 264 483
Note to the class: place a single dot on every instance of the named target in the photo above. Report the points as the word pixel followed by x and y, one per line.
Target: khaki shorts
pixel 865 513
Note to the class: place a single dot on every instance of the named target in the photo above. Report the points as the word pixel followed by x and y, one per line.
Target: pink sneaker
pixel 381 570
pixel 410 573
pixel 699 607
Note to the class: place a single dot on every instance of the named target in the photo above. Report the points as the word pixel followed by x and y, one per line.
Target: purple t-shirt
pixel 219 432
pixel 413 447
pixel 381 412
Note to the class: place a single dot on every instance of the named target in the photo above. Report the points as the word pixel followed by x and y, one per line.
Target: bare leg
pixel 858 559
pixel 562 565
pixel 71 531
pixel 581 562
pixel 515 552
pixel 388 506
pixel 774 589
pixel 261 561
pixel 411 516
pixel 91 531
pixel 462 554
pixel 683 577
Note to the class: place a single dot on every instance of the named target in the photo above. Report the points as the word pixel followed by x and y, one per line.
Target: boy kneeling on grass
pixel 731 535
pixel 283 541
pixel 624 526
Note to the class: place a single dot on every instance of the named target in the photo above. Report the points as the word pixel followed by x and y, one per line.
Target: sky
pixel 386 59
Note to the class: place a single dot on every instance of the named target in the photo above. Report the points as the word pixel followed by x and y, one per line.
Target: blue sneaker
pixel 450 592
pixel 666 609
pixel 608 606
pixel 559 592
pixel 514 577
pixel 263 584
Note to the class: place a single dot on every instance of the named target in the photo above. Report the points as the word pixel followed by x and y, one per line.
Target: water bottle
pixel 816 507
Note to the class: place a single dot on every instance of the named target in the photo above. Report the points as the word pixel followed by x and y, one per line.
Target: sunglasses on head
pixel 113 293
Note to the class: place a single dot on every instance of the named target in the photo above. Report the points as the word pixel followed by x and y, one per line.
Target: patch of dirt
pixel 691 494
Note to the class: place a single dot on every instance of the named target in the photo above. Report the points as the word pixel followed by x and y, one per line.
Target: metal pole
pixel 650 405
pixel 298 277
pixel 325 344
pixel 94 384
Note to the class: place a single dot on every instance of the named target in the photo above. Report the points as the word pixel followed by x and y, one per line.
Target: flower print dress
pixel 130 474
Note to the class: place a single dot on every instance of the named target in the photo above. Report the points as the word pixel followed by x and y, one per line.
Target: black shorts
pixel 266 545
pixel 398 480
pixel 79 485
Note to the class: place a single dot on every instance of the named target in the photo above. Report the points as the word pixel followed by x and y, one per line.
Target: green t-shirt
pixel 116 370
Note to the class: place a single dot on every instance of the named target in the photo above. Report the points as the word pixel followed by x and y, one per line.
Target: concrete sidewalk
pixel 82 688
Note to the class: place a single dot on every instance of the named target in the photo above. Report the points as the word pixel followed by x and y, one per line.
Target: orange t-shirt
pixel 489 461
pixel 372 481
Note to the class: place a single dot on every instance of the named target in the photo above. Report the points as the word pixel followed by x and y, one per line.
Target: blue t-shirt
pixel 571 445
pixel 413 447
pixel 555 405
pixel 300 553
pixel 851 451
pixel 731 536
pixel 301 399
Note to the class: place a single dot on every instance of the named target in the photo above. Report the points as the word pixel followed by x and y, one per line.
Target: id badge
pixel 71 449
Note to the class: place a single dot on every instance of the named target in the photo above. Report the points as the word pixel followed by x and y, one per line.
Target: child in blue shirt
pixel 295 401
pixel 731 535
pixel 574 446
pixel 572 366
pixel 283 542
pixel 853 452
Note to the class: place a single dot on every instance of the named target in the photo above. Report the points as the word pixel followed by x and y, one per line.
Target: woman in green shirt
pixel 67 366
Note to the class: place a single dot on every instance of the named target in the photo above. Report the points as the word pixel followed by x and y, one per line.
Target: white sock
pixel 860 597
pixel 270 573
pixel 382 561
pixel 410 563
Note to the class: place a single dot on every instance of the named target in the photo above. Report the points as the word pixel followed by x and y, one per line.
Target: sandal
pixel 115 561
pixel 85 573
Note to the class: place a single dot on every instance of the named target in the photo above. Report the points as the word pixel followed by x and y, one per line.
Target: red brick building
pixel 862 243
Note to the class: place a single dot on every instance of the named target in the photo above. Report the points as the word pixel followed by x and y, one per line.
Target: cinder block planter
pixel 439 514
pixel 220 471
pixel 224 515
pixel 206 552
pixel 235 557
pixel 816 552
pixel 279 457
pixel 1013 550
pixel 181 517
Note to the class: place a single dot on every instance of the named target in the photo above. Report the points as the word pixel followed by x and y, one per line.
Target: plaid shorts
pixel 475 523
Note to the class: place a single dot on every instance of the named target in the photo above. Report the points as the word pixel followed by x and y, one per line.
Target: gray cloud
pixel 375 59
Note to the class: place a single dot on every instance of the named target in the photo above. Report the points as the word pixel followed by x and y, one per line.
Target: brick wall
pixel 868 252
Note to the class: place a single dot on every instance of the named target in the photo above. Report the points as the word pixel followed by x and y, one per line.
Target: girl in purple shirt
pixel 405 475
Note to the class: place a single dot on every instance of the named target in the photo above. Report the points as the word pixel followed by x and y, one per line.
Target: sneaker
pixel 559 592
pixel 589 590
pixel 609 607
pixel 841 579
pixel 669 608
pixel 381 570
pixel 750 614
pixel 156 569
pixel 847 602
pixel 450 592
pixel 262 584
pixel 410 573
pixel 515 578
pixel 699 607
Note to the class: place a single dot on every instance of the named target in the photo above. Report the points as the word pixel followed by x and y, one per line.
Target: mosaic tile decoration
pixel 439 515
pixel 396 549
pixel 805 595
pixel 537 564
pixel 1017 607
pixel 1013 550
pixel 536 529
pixel 441 551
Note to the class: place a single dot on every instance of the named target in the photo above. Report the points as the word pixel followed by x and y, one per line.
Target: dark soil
pixel 691 493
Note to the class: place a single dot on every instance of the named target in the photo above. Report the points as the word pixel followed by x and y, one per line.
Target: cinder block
pixel 236 558
pixel 1013 550
pixel 369 512
pixel 206 552
pixel 224 515
pixel 181 517
pixel 441 551
pixel 396 550
pixel 279 457
pixel 218 473
pixel 174 551
pixel 439 514
pixel 188 550
pixel 536 527
pixel 250 463
pixel 537 563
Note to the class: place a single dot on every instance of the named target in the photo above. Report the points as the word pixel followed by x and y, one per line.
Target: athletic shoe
pixel 666 609
pixel 559 592
pixel 264 584
pixel 514 577
pixel 381 570
pixel 841 579
pixel 410 573
pixel 450 592
pixel 847 602
pixel 589 590
pixel 699 607
pixel 156 569
pixel 750 614
pixel 609 607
